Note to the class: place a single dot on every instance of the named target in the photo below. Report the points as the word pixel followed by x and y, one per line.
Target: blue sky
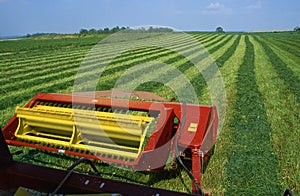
pixel 19 17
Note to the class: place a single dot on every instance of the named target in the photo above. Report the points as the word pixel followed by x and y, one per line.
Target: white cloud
pixel 216 5
pixel 216 8
pixel 256 5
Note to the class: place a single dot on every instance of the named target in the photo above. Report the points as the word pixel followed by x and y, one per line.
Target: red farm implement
pixel 126 129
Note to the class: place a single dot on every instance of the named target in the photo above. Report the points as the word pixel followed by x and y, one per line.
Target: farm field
pixel 257 151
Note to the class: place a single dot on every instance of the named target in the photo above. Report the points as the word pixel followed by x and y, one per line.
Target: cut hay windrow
pixel 290 56
pixel 283 114
pixel 223 146
pixel 251 161
pixel 285 73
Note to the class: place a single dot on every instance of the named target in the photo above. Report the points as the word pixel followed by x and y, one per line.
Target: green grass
pixel 283 113
pixel 251 160
pixel 257 152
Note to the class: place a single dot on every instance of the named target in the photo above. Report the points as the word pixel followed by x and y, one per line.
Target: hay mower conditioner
pixel 119 127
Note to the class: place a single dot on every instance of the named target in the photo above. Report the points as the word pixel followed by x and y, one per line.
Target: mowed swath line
pixel 37 62
pixel 42 74
pixel 108 77
pixel 94 55
pixel 205 38
pixel 290 56
pixel 228 52
pixel 216 168
pixel 170 58
pixel 43 65
pixel 192 73
pixel 14 69
pixel 43 70
pixel 227 45
pixel 40 77
pixel 35 83
pixel 285 73
pixel 209 38
pixel 173 59
pixel 216 40
pixel 198 84
pixel 20 57
pixel 283 113
pixel 199 37
pixel 67 75
pixel 292 42
pixel 62 49
pixel 221 43
pixel 35 89
pixel 189 50
pixel 144 73
pixel 289 47
pixel 31 71
pixel 187 68
pixel 251 161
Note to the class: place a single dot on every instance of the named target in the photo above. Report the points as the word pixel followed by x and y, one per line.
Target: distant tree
pixel 219 30
pixel 92 31
pixel 115 29
pixel 151 29
pixel 106 30
pixel 83 31
pixel 297 29
pixel 100 31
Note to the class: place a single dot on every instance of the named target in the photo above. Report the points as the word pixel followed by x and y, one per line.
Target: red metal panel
pixel 198 134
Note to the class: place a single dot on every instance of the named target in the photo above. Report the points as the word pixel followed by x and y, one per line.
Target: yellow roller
pixel 78 129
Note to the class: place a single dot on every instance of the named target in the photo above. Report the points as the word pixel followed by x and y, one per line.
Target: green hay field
pixel 257 152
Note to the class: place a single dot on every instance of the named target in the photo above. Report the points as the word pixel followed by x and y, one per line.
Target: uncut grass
pixel 286 74
pixel 107 80
pixel 130 61
pixel 289 47
pixel 290 56
pixel 38 74
pixel 209 40
pixel 220 55
pixel 201 38
pixel 15 96
pixel 283 113
pixel 182 65
pixel 54 59
pixel 215 178
pixel 169 61
pixel 288 41
pixel 251 161
pixel 36 64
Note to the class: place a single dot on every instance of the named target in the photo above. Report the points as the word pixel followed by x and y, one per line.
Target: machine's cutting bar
pixel 77 129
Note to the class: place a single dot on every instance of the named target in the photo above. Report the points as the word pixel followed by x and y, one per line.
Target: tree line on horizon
pixel 127 29
pixel 115 29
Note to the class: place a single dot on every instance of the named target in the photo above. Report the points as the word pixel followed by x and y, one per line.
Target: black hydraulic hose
pixel 195 182
pixel 70 171
pixel 288 193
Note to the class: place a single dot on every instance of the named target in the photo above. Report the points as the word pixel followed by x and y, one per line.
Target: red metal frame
pixel 17 174
pixel 197 139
